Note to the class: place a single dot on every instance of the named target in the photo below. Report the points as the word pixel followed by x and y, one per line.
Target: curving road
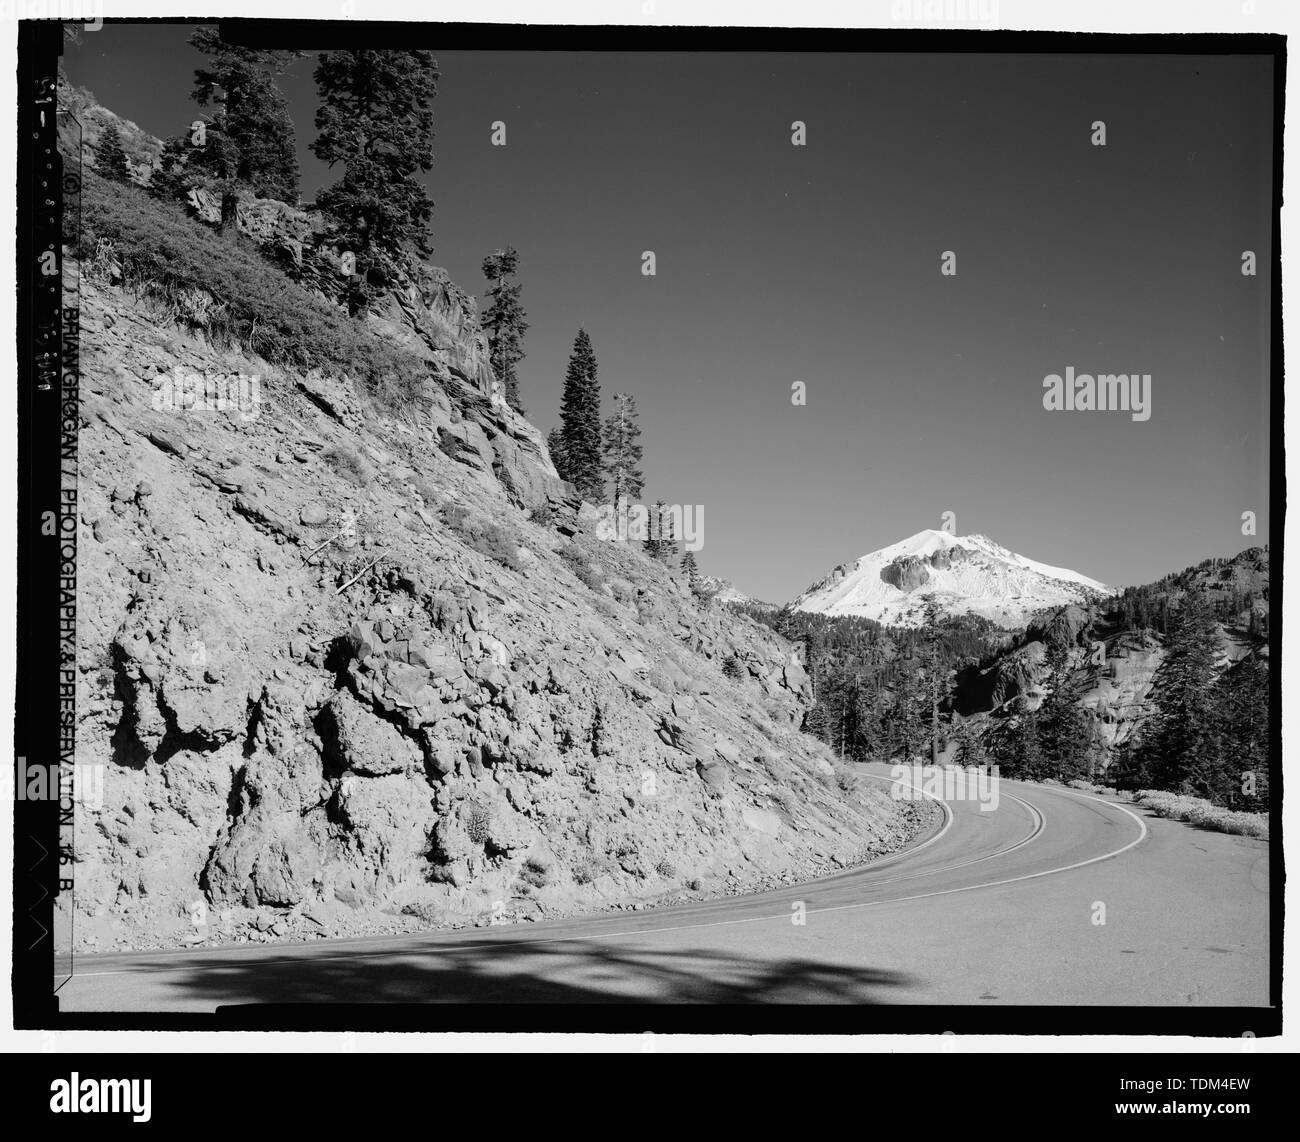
pixel 1003 906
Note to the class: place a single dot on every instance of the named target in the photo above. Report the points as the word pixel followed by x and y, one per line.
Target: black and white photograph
pixel 650 531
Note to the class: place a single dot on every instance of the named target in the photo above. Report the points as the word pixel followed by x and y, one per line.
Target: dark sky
pixel 821 264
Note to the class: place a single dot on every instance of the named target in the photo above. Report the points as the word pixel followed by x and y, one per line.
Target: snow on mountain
pixel 969 574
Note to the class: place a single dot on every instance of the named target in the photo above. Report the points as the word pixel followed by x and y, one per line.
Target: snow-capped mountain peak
pixel 966 574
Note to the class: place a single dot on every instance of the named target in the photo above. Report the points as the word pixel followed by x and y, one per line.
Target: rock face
pixel 447 319
pixel 1118 696
pixel 1115 668
pixel 334 670
pixel 906 574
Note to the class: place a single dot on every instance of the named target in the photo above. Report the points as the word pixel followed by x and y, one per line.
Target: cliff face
pixel 1115 668
pixel 347 669
pixel 447 708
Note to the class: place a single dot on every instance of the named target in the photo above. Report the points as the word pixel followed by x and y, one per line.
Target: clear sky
pixel 821 264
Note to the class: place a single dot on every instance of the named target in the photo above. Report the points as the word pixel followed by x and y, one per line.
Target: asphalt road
pixel 996 907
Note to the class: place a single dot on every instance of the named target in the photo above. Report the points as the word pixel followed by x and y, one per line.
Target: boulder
pixel 714 774
pixel 353 738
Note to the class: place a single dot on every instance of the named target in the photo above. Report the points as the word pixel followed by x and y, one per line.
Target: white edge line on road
pixel 1142 836
pixel 1036 816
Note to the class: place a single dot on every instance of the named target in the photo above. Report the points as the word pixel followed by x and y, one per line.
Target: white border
pixel 1233 16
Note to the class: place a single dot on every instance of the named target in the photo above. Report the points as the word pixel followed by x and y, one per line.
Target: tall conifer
pixel 503 321
pixel 580 422
pixel 623 450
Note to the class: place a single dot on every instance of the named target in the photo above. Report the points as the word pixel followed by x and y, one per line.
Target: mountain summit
pixel 969 574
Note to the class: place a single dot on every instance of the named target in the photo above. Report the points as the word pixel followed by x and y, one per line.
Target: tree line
pixel 887 694
pixel 881 693
pixel 1208 733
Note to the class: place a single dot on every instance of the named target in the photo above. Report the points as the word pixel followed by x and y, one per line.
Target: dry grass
pixel 494 540
pixel 1198 811
pixel 206 281
pixel 347 463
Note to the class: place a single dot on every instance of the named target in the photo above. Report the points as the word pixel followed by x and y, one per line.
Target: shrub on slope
pixel 164 254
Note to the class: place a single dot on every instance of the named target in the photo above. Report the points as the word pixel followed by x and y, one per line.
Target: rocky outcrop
pixel 982 689
pixel 340 672
pixel 338 677
pixel 447 320
pixel 282 231
pixel 1115 670
pixel 947 557
pixel 1118 697
pixel 1064 627
pixel 906 574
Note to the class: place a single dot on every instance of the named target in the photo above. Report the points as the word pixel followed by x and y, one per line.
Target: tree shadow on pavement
pixel 564 972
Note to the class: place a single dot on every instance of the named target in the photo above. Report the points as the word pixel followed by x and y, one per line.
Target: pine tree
pixel 908 711
pixel 970 748
pixel 868 740
pixel 555 446
pixel 816 722
pixel 375 119
pixel 661 540
pixel 1235 772
pixel 841 707
pixel 249 137
pixel 1125 769
pixel 1018 750
pixel 1064 732
pixel 110 159
pixel 813 649
pixel 623 450
pixel 504 321
pixel 173 175
pixel 1175 745
pixel 668 538
pixel 580 422
pixel 1026 751
pixel 935 673
pixel 690 569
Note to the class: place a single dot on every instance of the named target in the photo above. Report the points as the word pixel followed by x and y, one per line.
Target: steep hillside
pixel 967 575
pixel 351 654
pixel 1114 650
